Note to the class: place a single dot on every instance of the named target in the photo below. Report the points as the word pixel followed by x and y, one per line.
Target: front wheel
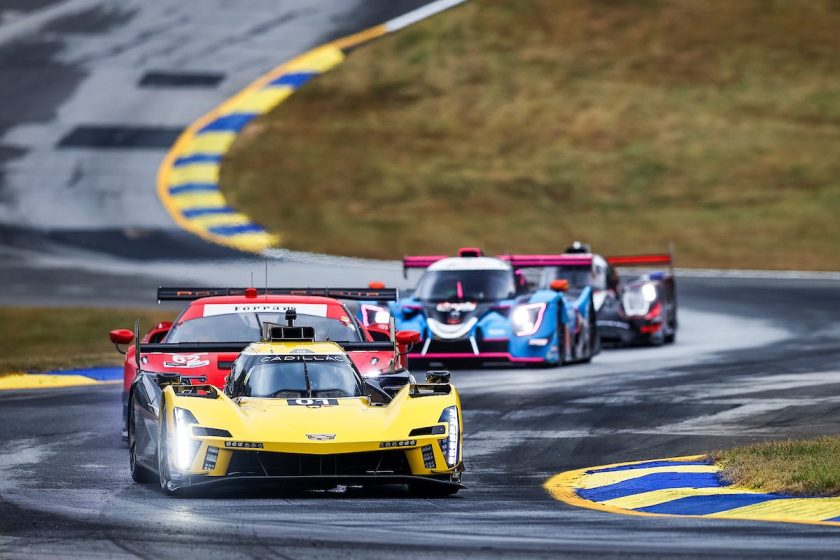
pixel 139 473
pixel 164 476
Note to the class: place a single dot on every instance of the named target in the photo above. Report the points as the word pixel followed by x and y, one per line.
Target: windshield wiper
pixel 308 382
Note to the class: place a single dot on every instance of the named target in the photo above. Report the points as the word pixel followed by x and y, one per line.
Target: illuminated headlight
pixel 635 300
pixel 450 446
pixel 527 319
pixel 185 447
pixel 649 292
pixel 374 314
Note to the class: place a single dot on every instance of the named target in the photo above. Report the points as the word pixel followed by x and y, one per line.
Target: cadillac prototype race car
pixel 294 412
pixel 638 308
pixel 191 345
pixel 480 308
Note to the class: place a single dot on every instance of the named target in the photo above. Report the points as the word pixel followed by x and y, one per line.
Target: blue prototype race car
pixel 480 308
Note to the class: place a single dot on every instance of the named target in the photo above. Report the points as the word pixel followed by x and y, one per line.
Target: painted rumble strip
pixel 683 487
pixel 188 178
pixel 63 378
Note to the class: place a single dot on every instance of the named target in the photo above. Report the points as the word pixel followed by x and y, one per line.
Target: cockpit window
pixel 297 376
pixel 465 285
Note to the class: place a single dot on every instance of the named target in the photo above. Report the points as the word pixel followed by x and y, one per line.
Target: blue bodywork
pixel 494 336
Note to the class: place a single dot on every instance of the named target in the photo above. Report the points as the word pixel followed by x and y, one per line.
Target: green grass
pixel 808 467
pixel 519 126
pixel 41 339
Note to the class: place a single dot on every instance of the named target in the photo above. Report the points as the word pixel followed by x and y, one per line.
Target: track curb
pixel 188 177
pixel 61 378
pixel 674 484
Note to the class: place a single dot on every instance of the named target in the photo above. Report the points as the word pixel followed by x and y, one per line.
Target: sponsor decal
pixel 496 332
pixel 614 324
pixel 321 437
pixel 187 361
pixel 460 307
pixel 244 444
pixel 312 403
pixel 303 358
pixel 317 309
pixel 402 443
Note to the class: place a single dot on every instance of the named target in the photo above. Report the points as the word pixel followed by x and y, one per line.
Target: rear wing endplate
pixel 168 293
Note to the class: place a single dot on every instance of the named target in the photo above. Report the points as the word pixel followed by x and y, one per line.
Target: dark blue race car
pixel 480 308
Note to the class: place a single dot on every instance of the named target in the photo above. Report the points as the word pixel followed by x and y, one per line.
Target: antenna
pixel 266 278
pixel 137 344
pixel 252 279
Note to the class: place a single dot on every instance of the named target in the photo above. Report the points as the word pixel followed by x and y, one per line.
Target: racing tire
pixel 164 476
pixel 139 473
pixel 431 490
pixel 591 337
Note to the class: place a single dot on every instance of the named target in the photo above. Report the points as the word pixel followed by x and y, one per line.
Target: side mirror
pixel 438 376
pixel 408 337
pixel 559 285
pixel 121 336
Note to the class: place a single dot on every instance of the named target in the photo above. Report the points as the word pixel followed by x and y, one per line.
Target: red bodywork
pixel 216 366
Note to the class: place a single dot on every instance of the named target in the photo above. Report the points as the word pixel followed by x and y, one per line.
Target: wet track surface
pixel 754 360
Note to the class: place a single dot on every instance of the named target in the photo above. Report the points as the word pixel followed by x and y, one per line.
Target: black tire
pixel 561 342
pixel 139 473
pixel 164 477
pixel 431 490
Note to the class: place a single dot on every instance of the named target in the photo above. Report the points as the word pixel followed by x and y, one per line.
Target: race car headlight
pixel 636 299
pixel 374 314
pixel 450 446
pixel 185 447
pixel 527 318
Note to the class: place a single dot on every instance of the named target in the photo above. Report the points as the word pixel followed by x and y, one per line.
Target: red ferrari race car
pixel 207 337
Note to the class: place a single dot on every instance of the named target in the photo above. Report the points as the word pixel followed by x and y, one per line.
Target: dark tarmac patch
pixel 180 80
pixel 120 137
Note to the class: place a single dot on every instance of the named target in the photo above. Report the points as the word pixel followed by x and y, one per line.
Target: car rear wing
pixel 642 261
pixel 540 261
pixel 166 293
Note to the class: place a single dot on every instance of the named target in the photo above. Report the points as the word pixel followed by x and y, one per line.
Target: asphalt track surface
pixel 755 359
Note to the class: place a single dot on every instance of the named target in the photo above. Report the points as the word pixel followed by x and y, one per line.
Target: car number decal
pixel 312 402
pixel 186 361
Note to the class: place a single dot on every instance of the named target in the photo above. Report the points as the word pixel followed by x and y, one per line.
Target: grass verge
pixel 809 467
pixel 518 126
pixel 42 339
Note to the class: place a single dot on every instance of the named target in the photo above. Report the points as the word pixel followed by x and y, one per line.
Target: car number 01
pixel 312 402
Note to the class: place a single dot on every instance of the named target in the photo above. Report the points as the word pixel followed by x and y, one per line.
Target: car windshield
pixel 465 285
pixel 579 277
pixel 245 327
pixel 298 376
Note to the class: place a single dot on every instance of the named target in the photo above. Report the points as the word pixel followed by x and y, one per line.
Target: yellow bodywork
pixel 354 424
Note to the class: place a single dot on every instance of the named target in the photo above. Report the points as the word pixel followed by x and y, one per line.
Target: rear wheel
pixel 139 473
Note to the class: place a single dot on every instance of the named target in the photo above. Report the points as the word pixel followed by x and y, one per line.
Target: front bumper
pixel 306 482
pixel 476 349
pixel 629 332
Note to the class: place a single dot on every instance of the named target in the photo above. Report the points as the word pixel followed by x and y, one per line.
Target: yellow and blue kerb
pixel 188 178
pixel 685 487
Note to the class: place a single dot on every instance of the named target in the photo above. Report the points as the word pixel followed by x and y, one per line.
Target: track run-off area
pixel 755 359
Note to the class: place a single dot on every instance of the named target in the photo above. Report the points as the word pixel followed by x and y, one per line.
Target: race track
pixel 755 359
pixel 80 225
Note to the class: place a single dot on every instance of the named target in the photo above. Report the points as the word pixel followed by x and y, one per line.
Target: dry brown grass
pixel 42 339
pixel 801 467
pixel 518 126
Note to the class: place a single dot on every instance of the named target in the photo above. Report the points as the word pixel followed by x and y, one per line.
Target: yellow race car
pixel 295 412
